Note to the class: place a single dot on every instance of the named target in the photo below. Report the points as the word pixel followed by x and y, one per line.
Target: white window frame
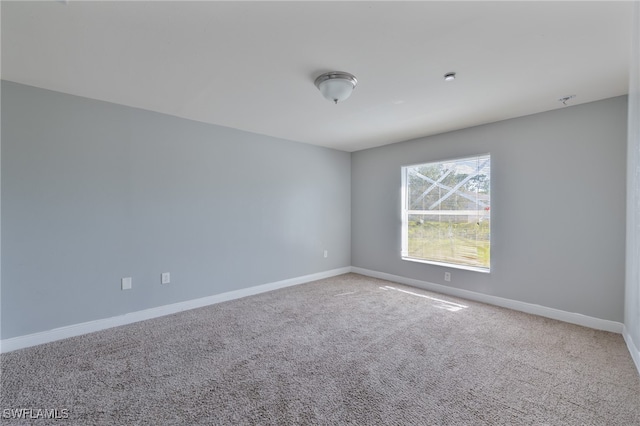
pixel 405 212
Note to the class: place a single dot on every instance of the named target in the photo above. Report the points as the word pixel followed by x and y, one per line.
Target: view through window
pixel 446 212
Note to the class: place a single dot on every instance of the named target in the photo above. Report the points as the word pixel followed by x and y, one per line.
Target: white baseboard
pixel 633 349
pixel 570 317
pixel 14 343
pixel 19 342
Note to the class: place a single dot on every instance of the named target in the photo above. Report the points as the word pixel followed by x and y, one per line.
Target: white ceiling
pixel 251 65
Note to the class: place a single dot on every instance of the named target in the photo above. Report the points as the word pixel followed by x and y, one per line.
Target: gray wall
pixel 558 207
pixel 632 296
pixel 92 192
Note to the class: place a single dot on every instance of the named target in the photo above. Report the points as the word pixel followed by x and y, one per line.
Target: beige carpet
pixel 345 350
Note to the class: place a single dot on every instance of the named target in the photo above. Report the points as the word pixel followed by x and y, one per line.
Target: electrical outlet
pixel 447 276
pixel 165 278
pixel 126 283
pixel 326 254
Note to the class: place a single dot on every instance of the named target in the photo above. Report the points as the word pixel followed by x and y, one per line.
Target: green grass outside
pixel 459 243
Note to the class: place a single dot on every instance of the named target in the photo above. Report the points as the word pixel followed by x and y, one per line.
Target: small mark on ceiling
pixel 564 99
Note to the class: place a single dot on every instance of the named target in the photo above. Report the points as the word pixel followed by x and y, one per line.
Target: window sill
pixel 449 265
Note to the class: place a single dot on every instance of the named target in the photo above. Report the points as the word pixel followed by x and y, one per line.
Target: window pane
pixel 446 212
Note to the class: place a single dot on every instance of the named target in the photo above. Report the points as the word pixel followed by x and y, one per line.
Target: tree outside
pixel 448 212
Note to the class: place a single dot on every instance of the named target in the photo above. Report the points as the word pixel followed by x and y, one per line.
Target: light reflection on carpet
pixel 442 304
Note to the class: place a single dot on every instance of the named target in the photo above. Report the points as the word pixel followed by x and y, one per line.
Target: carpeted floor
pixel 344 350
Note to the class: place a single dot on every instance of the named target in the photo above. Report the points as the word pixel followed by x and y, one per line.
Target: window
pixel 446 213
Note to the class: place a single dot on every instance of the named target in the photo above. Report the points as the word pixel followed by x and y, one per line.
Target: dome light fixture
pixel 336 86
pixel 450 76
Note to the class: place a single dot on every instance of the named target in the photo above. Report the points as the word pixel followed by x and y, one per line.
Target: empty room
pixel 320 212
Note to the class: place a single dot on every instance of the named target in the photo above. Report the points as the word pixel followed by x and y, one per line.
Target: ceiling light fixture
pixel 450 76
pixel 336 86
